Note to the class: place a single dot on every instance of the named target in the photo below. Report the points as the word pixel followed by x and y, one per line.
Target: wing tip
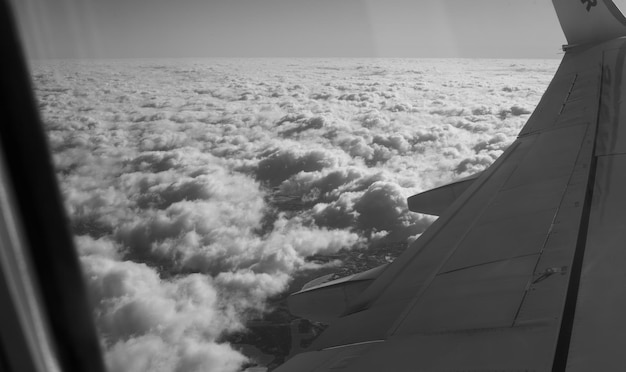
pixel 590 21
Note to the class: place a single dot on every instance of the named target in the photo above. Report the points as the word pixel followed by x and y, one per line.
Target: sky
pixel 289 28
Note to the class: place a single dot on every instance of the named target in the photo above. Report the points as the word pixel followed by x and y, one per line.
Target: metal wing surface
pixel 525 270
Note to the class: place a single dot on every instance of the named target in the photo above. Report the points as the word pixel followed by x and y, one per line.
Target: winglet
pixel 590 21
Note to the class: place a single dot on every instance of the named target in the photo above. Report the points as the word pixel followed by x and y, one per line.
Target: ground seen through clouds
pixel 199 189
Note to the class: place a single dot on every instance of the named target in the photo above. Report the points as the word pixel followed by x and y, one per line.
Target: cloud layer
pixel 197 188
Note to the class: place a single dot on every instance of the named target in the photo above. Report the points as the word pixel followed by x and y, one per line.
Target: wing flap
pixel 530 228
pixel 326 300
pixel 469 350
pixel 478 297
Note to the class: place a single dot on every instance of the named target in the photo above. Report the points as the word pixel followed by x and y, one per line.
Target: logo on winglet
pixel 590 3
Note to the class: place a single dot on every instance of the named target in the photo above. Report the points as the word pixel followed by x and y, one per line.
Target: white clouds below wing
pixel 198 188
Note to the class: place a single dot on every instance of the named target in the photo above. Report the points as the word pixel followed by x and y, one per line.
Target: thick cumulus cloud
pixel 198 188
pixel 148 323
pixel 280 164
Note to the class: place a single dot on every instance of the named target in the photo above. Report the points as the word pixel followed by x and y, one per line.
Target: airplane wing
pixel 525 270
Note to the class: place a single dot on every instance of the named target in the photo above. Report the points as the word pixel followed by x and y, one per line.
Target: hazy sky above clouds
pixel 289 28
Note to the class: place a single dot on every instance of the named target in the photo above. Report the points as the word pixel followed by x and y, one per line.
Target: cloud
pixel 198 189
pixel 383 207
pixel 373 119
pixel 338 214
pixel 474 164
pixel 279 164
pixel 301 123
pixel 150 353
pixel 393 142
pixel 513 110
pixel 498 142
pixel 150 323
